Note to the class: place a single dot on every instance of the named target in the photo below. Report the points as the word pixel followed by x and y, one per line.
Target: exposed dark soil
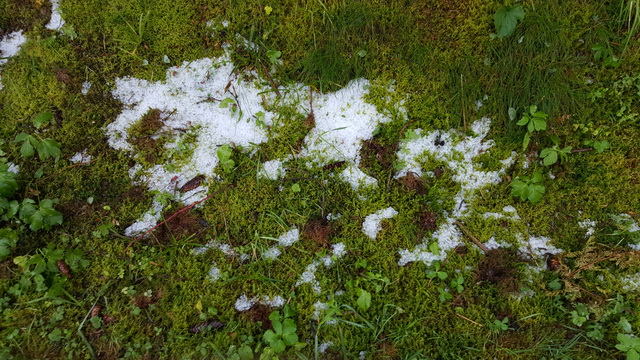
pixel 427 222
pixel 260 313
pixel 373 152
pixel 414 183
pixel 319 231
pixel 181 226
pixel 498 267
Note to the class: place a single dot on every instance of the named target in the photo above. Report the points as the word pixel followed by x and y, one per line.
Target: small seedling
pixel 528 187
pixel 283 333
pixel 500 325
pixel 444 294
pixel 598 146
pixel 224 155
pixel 457 284
pixel 435 272
pixel 534 121
pixel 552 154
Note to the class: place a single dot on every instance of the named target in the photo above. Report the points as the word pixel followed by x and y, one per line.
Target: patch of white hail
pixel 309 275
pixel 211 102
pixel 85 88
pixel 285 240
pixel 588 225
pixel 10 46
pixel 190 98
pixel 373 223
pixel 457 152
pixel 272 170
pixel 80 157
pixel 243 303
pixel 56 22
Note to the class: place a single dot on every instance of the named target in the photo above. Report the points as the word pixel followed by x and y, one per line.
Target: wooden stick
pixel 273 83
pixel 473 238
pixel 170 217
pixel 469 320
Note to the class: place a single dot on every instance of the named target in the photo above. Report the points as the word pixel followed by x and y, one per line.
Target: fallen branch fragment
pixel 186 208
pixel 473 238
pixel 469 320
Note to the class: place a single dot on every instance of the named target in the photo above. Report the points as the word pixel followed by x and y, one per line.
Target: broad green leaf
pixel 48 148
pixel 539 124
pixel 506 19
pixel 26 150
pixel 226 102
pixel 269 336
pixel 442 275
pixel 8 183
pixel 633 355
pixel 245 353
pixel 533 109
pixel 535 193
pixel 278 346
pixel 537 177
pixel 42 119
pixel 364 300
pixel 277 327
pixel 21 137
pixel 290 339
pixel 550 159
pixel 523 121
pixel 289 326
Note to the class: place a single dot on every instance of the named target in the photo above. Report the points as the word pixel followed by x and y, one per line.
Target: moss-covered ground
pixel 151 299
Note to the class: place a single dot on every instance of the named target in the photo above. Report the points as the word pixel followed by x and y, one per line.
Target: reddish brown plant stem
pixel 188 207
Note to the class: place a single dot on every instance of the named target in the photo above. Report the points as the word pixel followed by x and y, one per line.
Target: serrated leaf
pixel 533 109
pixel 42 119
pixel 550 159
pixel 525 141
pixel 506 19
pixel 523 121
pixel 48 148
pixel 26 150
pixel 535 193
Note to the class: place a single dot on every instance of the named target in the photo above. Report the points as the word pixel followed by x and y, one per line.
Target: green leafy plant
pixel 224 155
pixel 598 146
pixel 457 284
pixel 444 294
pixel 284 331
pixel 551 155
pixel 630 345
pixel 42 216
pixel 534 121
pixel 604 53
pixel 528 187
pixel 436 272
pixel 364 299
pixel 30 144
pixel 500 325
pixel 506 19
